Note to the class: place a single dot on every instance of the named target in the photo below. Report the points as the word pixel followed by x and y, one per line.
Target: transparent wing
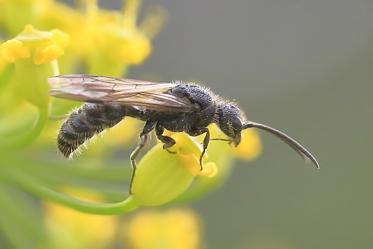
pixel 145 94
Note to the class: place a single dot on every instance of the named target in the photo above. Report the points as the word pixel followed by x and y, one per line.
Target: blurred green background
pixel 301 66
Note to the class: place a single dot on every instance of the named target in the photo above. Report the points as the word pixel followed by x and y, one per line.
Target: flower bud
pixel 163 175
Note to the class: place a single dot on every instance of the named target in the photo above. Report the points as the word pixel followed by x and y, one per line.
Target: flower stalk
pixel 34 186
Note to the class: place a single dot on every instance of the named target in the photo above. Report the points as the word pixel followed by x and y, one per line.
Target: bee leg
pixel 149 126
pixel 166 140
pixel 205 143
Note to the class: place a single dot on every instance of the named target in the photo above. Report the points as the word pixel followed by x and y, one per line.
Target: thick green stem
pixel 33 186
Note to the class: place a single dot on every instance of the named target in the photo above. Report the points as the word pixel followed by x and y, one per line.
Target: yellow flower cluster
pixel 105 41
pixel 178 228
pixel 102 42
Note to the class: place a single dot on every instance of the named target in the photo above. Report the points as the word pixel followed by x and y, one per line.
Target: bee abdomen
pixel 85 122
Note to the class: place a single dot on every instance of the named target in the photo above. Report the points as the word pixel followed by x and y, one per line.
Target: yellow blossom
pixel 106 40
pixel 42 46
pixel 34 53
pixel 114 40
pixel 173 229
pixel 71 229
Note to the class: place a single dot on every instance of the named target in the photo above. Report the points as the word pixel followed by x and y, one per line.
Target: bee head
pixel 228 119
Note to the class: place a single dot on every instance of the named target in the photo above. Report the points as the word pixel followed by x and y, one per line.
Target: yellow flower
pixel 107 41
pixel 67 228
pixel 34 55
pixel 173 229
pixel 41 46
pixel 110 40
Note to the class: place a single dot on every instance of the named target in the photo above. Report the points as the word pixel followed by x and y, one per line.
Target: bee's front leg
pixel 166 140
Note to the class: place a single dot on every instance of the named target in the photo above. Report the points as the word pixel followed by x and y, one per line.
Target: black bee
pixel 176 107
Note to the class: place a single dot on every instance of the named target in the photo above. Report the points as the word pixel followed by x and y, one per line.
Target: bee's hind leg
pixel 166 140
pixel 149 126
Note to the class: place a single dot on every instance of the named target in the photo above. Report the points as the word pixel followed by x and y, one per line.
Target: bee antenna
pixel 295 145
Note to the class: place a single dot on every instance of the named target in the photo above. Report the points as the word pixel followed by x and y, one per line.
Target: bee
pixel 175 106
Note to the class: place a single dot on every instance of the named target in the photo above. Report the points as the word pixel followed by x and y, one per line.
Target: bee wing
pixel 145 94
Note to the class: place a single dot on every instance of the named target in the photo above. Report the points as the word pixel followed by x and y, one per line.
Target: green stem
pixel 33 186
pixel 78 170
pixel 29 136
